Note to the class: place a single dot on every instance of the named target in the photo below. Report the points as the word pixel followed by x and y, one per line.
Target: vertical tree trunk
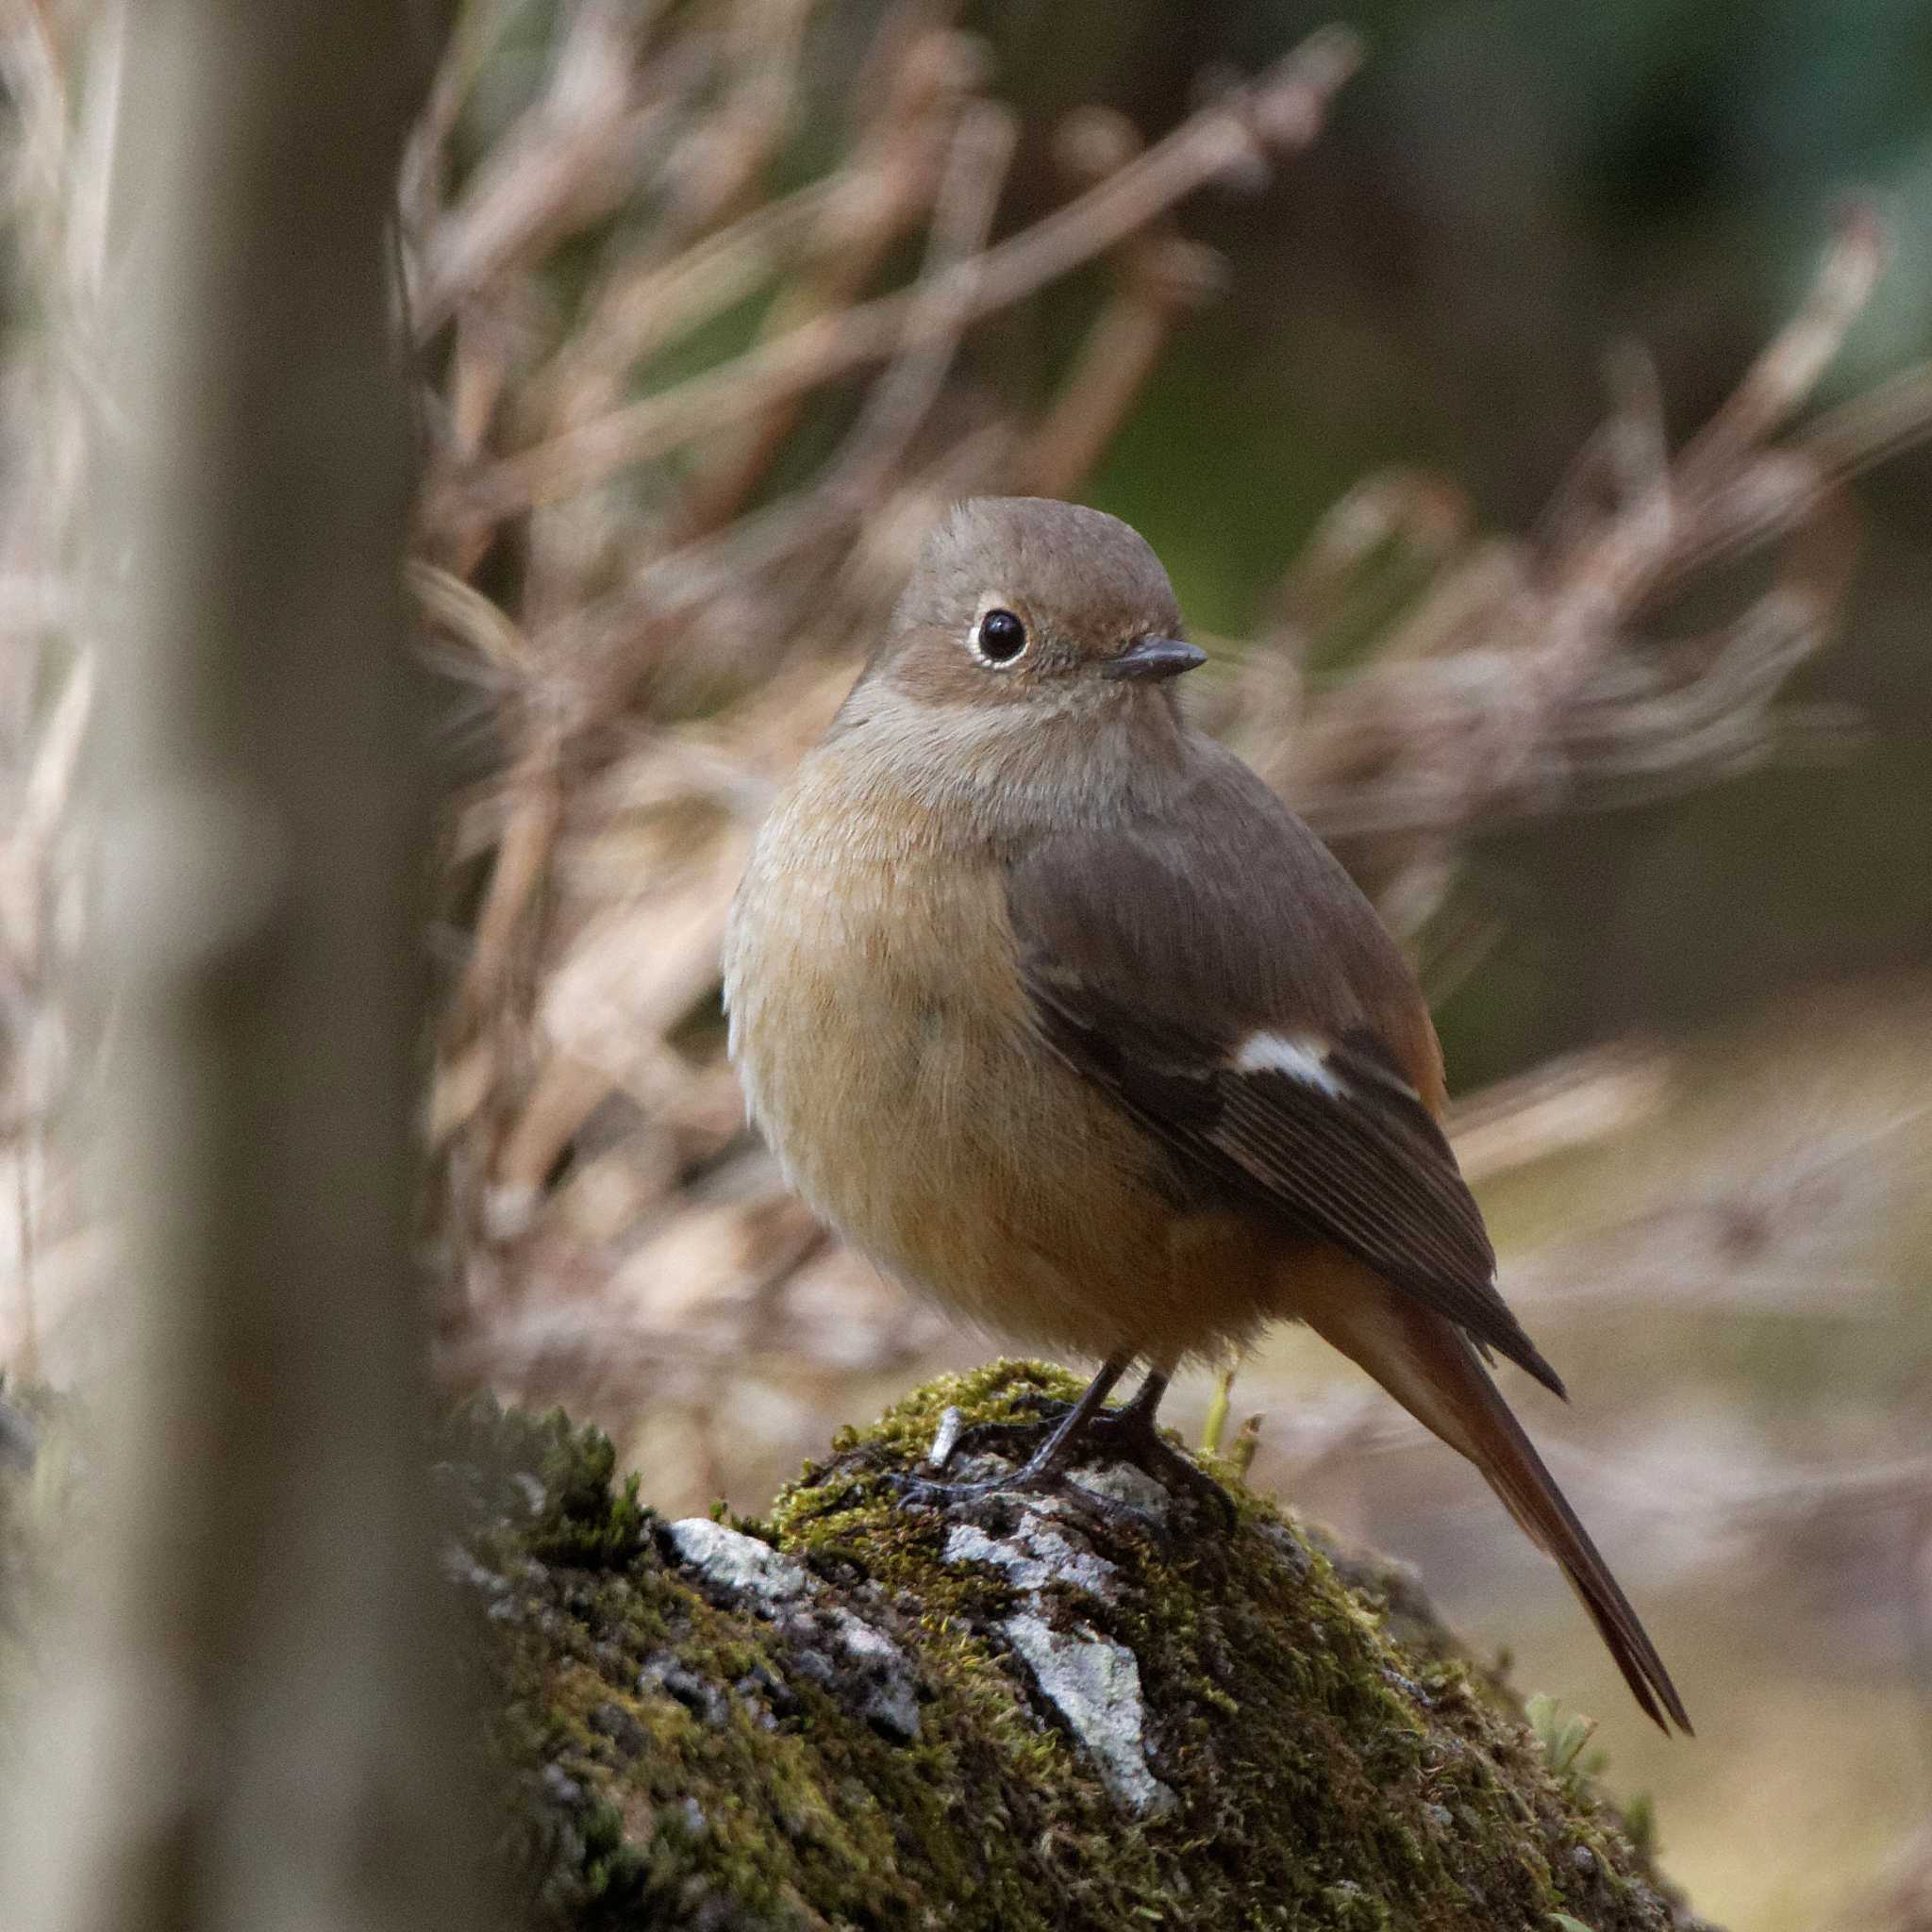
pixel 251 1726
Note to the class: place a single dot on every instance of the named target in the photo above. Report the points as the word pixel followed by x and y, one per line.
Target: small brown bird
pixel 1053 1009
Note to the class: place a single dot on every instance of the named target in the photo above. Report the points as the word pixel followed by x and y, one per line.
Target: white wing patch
pixel 1300 1056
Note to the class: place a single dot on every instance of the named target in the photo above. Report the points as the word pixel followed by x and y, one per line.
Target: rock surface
pixel 1009 1714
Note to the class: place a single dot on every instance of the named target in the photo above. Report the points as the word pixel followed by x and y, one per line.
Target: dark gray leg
pixel 1058 1437
pixel 1086 1432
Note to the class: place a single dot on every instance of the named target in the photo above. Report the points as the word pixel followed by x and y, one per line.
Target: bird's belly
pixel 896 1075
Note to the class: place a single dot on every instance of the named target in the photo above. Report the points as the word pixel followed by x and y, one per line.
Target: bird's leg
pixel 1130 1434
pixel 1015 1438
pixel 1084 1432
pixel 1056 1436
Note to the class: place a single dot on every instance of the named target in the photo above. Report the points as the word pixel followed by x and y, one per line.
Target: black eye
pixel 1001 637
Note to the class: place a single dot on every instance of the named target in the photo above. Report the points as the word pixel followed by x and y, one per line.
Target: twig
pixel 892 178
pixel 1161 280
pixel 574 156
pixel 1797 356
pixel 1866 430
pixel 1281 114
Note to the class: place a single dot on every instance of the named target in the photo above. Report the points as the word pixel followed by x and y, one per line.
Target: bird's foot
pixel 1058 1447
pixel 1130 1434
pixel 1039 1476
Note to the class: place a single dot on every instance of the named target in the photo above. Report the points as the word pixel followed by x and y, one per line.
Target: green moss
pixel 686 1760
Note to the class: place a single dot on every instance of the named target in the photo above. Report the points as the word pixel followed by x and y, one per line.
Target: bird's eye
pixel 999 637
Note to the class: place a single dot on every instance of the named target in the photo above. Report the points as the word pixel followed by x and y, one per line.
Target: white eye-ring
pixel 998 639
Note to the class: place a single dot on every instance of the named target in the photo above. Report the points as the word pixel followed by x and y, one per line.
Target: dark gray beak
pixel 1153 659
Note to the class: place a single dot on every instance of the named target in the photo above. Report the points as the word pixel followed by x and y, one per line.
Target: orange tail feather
pixel 1429 1367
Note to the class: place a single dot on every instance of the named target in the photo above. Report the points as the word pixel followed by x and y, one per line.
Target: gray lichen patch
pixel 1117 1724
pixel 1034 1555
pixel 738 1564
pixel 1090 1683
pixel 861 1666
pixel 1096 1686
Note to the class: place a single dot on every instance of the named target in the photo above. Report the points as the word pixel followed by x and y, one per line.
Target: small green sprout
pixel 1561 1734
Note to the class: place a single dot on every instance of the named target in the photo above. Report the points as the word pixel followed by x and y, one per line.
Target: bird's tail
pixel 1427 1364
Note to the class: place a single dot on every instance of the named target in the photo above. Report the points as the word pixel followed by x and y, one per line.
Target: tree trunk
pixel 247 1722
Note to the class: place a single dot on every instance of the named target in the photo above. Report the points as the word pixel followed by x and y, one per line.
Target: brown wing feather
pixel 1151 951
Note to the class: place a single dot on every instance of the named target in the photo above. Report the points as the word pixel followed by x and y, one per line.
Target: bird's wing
pixel 1217 973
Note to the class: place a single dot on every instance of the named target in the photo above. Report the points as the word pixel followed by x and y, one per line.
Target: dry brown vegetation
pixel 694 295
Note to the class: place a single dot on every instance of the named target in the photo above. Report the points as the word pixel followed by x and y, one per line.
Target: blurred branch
pixel 1519 685
pixel 573 158
pixel 1871 427
pixel 893 178
pixel 1279 115
pixel 1575 1102
pixel 1159 279
pixel 1786 373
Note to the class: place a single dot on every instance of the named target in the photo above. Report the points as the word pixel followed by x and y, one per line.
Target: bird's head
pixel 1022 602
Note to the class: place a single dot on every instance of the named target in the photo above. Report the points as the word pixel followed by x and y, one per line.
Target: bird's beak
pixel 1153 659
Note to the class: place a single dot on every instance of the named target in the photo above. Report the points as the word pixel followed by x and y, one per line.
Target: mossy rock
pixel 1006 1714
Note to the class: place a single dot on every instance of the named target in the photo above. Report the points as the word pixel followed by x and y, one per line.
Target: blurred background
pixel 1528 404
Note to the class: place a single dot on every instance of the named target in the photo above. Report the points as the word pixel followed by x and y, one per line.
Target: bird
pixel 1054 1010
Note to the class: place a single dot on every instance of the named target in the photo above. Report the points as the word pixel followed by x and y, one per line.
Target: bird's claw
pixel 1053 1482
